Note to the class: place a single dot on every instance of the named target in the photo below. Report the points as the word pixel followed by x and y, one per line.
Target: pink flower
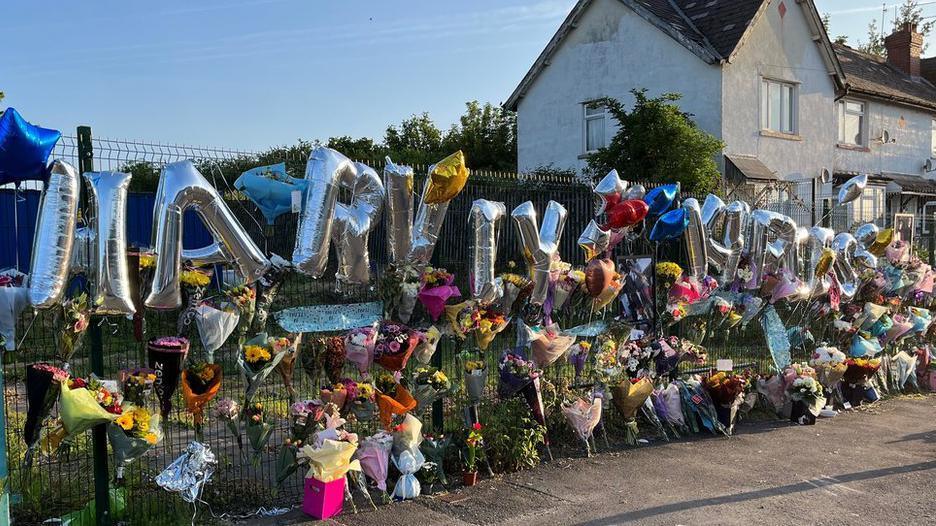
pixel 81 324
pixel 394 346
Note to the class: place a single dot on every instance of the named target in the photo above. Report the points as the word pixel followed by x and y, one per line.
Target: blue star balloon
pixel 24 148
pixel 670 225
pixel 271 189
pixel 661 198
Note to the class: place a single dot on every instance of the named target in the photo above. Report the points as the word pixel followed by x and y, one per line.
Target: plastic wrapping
pixel 188 474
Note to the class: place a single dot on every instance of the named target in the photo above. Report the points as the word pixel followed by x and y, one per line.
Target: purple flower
pixel 394 346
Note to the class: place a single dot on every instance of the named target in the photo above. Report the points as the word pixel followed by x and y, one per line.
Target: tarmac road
pixel 871 466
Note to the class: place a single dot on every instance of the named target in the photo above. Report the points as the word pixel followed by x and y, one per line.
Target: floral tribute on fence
pixel 845 318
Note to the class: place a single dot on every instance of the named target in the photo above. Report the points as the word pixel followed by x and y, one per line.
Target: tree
pixel 361 149
pixel 826 23
pixel 910 12
pixel 416 141
pixel 487 135
pixel 875 44
pixel 658 142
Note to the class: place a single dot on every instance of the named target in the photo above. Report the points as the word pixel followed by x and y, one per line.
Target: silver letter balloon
pixel 54 237
pixel 110 276
pixel 182 187
pixel 540 243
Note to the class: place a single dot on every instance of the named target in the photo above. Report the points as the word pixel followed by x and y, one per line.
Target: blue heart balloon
pixel 670 225
pixel 24 148
pixel 661 198
pixel 271 189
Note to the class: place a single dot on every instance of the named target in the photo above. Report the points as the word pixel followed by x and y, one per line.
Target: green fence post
pixel 99 433
pixel 4 467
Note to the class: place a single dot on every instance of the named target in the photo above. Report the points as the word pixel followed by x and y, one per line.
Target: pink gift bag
pixel 323 499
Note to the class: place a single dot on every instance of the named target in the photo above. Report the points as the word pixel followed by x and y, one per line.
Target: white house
pixel 761 75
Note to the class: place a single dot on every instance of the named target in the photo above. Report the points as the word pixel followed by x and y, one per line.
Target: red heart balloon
pixel 627 213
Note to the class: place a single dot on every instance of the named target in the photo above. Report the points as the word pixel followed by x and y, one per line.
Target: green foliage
pixel 512 438
pixel 486 133
pixel 910 12
pixel 875 43
pixel 658 142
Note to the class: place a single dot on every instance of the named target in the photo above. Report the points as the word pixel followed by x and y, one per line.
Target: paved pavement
pixel 872 466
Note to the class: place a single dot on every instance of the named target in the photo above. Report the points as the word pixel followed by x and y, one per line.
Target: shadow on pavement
pixel 760 494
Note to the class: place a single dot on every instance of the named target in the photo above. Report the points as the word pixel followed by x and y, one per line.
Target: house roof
pixel 873 76
pixel 713 30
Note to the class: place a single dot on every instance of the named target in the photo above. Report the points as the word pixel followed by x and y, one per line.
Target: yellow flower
pixel 147 261
pixel 125 421
pixel 150 438
pixel 255 353
pixel 440 377
pixel 485 325
pixel 194 278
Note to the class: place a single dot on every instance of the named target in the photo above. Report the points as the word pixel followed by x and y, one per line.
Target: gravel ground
pixel 875 465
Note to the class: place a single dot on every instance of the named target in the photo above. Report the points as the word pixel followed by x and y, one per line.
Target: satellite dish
pixel 825 176
pixel 929 165
pixel 886 137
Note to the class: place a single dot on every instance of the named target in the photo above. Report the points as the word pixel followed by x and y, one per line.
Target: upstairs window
pixel 851 125
pixel 596 117
pixel 778 106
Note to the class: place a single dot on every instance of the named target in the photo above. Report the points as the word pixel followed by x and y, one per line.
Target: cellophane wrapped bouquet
pixel 435 290
pixel 726 389
pixel 428 385
pixel 394 345
pixel 303 419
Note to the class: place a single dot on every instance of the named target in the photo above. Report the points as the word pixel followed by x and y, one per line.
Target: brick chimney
pixel 904 48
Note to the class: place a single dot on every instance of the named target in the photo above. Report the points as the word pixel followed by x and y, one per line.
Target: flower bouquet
pixel 698 407
pixel 427 345
pixel 582 417
pixel 429 384
pixel 228 411
pixel 855 381
pixel 337 394
pixel 43 384
pixel 517 289
pixel 491 322
pixel 200 384
pixel 131 435
pixel 628 396
pixel 257 428
pixel 806 394
pixel 475 379
pixel 726 390
pixel 829 364
pixel 245 298
pixel 435 450
pixel 258 358
pixel 166 355
pixel 392 399
pixel 359 347
pixel 578 357
pixel 668 405
pixel 394 346
pixel 568 283
pixel 399 288
pixel 75 316
pixel 302 422
pixel 361 401
pixel 136 384
pixel 374 456
pixel 84 404
pixel 323 353
pixel 548 345
pixel 520 376
pixel 435 289
pixel 407 457
pixel 287 365
pixel 607 369
pixel 268 287
pixel 215 323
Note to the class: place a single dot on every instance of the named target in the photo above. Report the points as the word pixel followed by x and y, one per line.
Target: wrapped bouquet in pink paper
pixel 435 289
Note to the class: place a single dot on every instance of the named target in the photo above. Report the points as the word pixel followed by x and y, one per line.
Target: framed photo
pixel 638 295
pixel 903 227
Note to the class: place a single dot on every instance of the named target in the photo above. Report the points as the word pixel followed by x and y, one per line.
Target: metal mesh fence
pixel 56 485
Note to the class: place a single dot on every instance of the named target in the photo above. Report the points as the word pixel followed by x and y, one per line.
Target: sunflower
pixel 256 353
pixel 125 421
pixel 150 438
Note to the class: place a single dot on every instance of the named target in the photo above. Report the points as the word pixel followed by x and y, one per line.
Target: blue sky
pixel 255 73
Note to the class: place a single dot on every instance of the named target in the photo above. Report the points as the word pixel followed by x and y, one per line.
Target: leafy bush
pixel 511 436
